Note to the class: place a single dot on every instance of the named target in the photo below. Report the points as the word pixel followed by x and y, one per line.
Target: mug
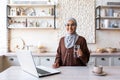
pixel 98 69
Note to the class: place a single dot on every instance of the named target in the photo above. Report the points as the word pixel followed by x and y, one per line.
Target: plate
pixel 101 74
pixel 44 24
pixel 16 43
pixel 30 11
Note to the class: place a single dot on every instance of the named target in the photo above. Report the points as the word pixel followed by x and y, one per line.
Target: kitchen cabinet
pixel 108 17
pixel 47 61
pixel 36 60
pixel 116 61
pixel 91 61
pixel 13 61
pixel 104 61
pixel 9 61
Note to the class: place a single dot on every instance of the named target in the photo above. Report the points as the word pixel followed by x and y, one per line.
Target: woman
pixel 66 54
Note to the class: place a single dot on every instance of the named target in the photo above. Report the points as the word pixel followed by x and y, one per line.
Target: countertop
pixel 52 54
pixel 67 73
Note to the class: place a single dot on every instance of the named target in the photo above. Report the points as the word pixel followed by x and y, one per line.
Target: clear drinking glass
pixel 76 47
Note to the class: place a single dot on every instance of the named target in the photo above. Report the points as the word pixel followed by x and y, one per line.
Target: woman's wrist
pixel 55 65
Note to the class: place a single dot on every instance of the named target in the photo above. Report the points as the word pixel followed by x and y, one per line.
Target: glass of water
pixel 76 47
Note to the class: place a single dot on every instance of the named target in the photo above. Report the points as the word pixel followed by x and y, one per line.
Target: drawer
pixel 47 61
pixel 11 60
pixel 116 61
pixel 104 61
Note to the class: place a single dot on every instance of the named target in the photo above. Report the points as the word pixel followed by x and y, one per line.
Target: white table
pixel 67 73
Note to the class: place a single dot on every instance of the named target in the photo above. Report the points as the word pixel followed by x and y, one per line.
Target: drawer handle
pixel 118 58
pixel 48 59
pixel 11 59
pixel 103 59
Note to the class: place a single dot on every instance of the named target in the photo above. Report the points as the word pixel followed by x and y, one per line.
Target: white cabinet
pixel 116 61
pixel 9 61
pixel 13 61
pixel 47 61
pixel 91 61
pixel 104 61
pixel 36 60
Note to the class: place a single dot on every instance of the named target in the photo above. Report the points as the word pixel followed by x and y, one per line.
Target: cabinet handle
pixel 48 59
pixel 11 59
pixel 118 58
pixel 103 59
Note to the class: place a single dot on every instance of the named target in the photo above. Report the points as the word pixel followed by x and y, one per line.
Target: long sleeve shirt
pixel 65 57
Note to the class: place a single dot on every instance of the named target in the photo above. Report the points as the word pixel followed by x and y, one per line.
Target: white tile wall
pixel 83 11
pixel 3 29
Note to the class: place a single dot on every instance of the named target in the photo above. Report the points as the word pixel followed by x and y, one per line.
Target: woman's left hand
pixel 79 52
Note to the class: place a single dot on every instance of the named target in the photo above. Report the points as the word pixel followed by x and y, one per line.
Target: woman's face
pixel 70 27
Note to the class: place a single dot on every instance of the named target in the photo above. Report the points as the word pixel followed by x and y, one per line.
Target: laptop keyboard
pixel 42 71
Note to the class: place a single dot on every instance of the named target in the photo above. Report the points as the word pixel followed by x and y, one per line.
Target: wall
pixel 104 38
pixel 81 10
pixel 35 37
pixel 3 29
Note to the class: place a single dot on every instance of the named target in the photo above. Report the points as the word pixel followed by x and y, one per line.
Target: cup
pixel 76 47
pixel 115 14
pixel 98 69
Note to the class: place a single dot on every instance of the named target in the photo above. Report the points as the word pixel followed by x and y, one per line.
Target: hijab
pixel 70 39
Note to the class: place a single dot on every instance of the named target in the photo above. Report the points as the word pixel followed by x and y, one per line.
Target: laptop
pixel 27 64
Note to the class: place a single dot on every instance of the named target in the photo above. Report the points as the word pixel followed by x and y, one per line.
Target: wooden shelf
pixel 30 28
pixel 31 16
pixel 29 5
pixel 108 28
pixel 108 6
pixel 108 17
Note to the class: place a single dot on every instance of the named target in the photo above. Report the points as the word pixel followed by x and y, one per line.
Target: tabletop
pixel 67 73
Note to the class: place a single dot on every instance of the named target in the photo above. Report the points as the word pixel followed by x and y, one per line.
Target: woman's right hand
pixel 55 65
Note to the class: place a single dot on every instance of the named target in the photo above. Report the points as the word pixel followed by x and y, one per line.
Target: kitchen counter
pixel 34 54
pixel 93 54
pixel 114 54
pixel 67 73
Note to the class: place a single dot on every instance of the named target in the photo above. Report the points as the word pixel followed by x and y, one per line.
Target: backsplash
pixel 83 12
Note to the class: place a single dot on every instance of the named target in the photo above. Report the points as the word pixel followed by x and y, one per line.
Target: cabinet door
pixel 104 61
pixel 36 60
pixel 116 61
pixel 47 61
pixel 10 61
pixel 91 61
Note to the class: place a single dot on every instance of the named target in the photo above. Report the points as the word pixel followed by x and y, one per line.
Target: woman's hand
pixel 55 65
pixel 79 52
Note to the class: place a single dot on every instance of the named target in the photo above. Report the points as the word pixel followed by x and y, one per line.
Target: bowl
pixel 111 50
pixel 100 50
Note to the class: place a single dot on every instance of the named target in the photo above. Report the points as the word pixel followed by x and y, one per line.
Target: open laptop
pixel 27 63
